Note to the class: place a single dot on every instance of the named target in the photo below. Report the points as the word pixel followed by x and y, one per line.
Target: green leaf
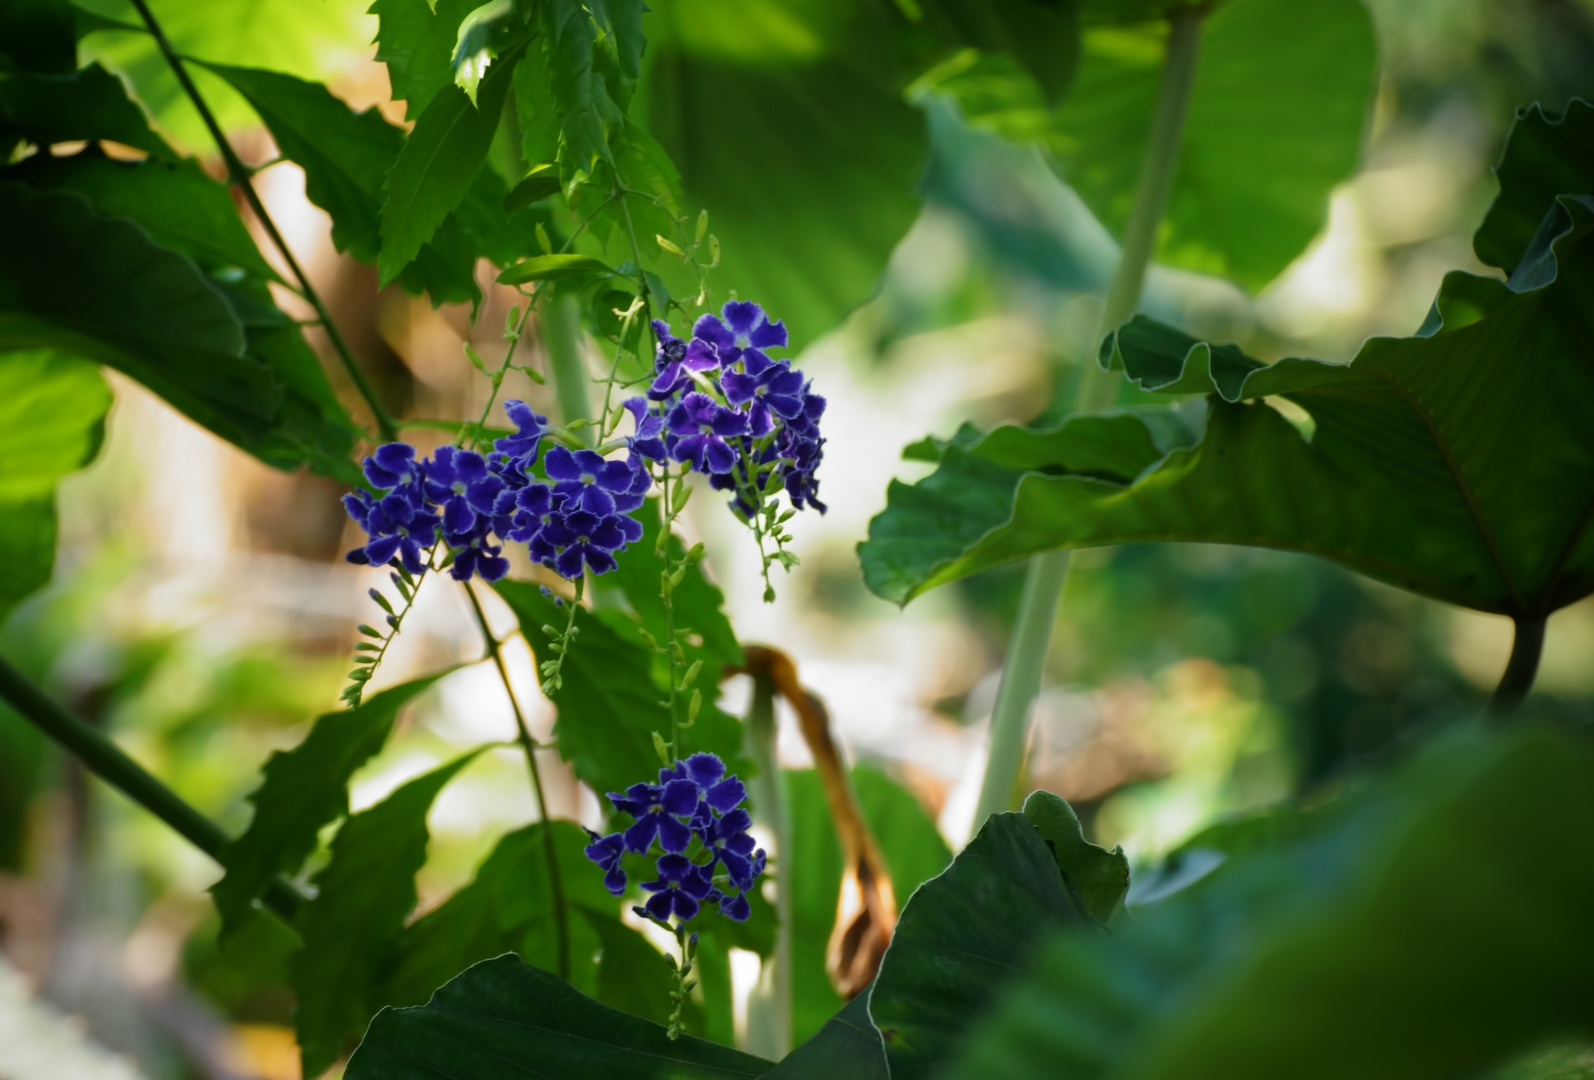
pixel 847 1048
pixel 344 154
pixel 503 1014
pixel 1097 878
pixel 302 791
pixel 89 103
pixel 1546 155
pixel 533 188
pixel 554 268
pixel 961 937
pixel 351 928
pixel 589 77
pixel 1468 870
pixel 37 35
pixel 434 171
pixel 816 188
pixel 1041 36
pixel 416 41
pixel 1276 119
pixel 52 418
pixel 177 203
pixel 482 34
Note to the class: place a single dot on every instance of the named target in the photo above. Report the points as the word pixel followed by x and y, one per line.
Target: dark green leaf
pixel 503 1017
pixel 1547 155
pixel 1467 871
pixel 817 186
pixel 1559 1063
pixel 963 936
pixel 591 108
pixel 1041 35
pixel 847 1048
pixel 351 928
pixel 89 103
pixel 554 268
pixel 534 188
pixel 416 41
pixel 52 418
pixel 303 790
pixel 344 154
pixel 434 171
pixel 1098 878
pixel 1276 119
pixel 177 203
pixel 37 35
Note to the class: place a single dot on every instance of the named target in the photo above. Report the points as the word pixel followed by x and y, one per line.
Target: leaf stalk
pixel 1527 646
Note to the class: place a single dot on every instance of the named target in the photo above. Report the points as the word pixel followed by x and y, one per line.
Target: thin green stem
pixel 1048 572
pixel 240 175
pixel 529 746
pixel 667 597
pixel 769 800
pixel 1520 670
pixel 106 760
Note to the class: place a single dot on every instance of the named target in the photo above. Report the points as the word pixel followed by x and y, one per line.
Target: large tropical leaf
pixel 505 1018
pixel 787 122
pixel 1458 463
pixel 1433 927
pixel 52 417
pixel 1545 156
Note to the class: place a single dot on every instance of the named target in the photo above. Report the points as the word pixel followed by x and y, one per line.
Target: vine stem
pixel 529 745
pixel 105 759
pixel 1048 572
pixel 1526 647
pixel 770 799
pixel 240 175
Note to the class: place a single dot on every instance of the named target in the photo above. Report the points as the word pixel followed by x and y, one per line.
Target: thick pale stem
pixel 769 1012
pixel 1526 648
pixel 105 759
pixel 561 334
pixel 1048 572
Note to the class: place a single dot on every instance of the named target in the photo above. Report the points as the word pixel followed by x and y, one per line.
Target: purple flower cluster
pixel 576 520
pixel 719 404
pixel 693 799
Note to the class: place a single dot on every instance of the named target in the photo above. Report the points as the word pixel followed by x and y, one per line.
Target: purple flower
pixel 743 334
pixel 736 907
pixel 522 446
pixel 391 465
pixel 702 426
pixel 581 539
pixel 730 846
pixel 775 389
pixel 633 497
pixel 474 555
pixel 606 852
pixel 531 508
pixel 398 522
pixel 658 809
pixel 680 888
pixel 676 375
pixel 459 482
pixel 586 480
pixel 648 440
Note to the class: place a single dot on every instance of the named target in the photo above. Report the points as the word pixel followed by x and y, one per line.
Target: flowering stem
pixel 769 800
pixel 1048 572
pixel 684 983
pixel 528 744
pixel 105 759
pixel 1526 647
pixel 240 175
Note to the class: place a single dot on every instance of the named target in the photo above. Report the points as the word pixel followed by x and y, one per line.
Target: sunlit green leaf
pixel 553 268
pixel 416 40
pixel 481 36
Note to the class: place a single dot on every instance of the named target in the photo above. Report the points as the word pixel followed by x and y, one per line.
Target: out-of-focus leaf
pixel 505 1015
pixel 1547 155
pixel 344 154
pixel 301 791
pixel 1276 119
pixel 89 103
pixel 962 937
pixel 52 418
pixel 847 1048
pixel 1557 1063
pixel 38 35
pixel 1098 878
pixel 181 207
pixel 416 41
pixel 434 171
pixel 352 927
pixel 1468 870
pixel 554 268
pixel 1041 35
pixel 815 187
pixel 533 188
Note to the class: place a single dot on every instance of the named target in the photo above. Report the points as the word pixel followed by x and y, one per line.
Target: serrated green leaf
pixel 1468 869
pixel 1098 878
pixel 481 35
pixel 302 791
pixel 344 154
pixel 89 103
pixel 416 41
pixel 52 419
pixel 353 925
pixel 592 52
pixel 505 1013
pixel 816 189
pixel 435 169
pixel 962 937
pixel 554 268
pixel 1546 155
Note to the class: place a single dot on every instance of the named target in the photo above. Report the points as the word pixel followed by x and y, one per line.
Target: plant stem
pixel 1526 647
pixel 1048 572
pixel 106 760
pixel 529 746
pixel 240 175
pixel 561 333
pixel 769 799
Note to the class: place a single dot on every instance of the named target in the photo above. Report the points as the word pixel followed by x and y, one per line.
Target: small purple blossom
pixel 702 427
pixel 743 332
